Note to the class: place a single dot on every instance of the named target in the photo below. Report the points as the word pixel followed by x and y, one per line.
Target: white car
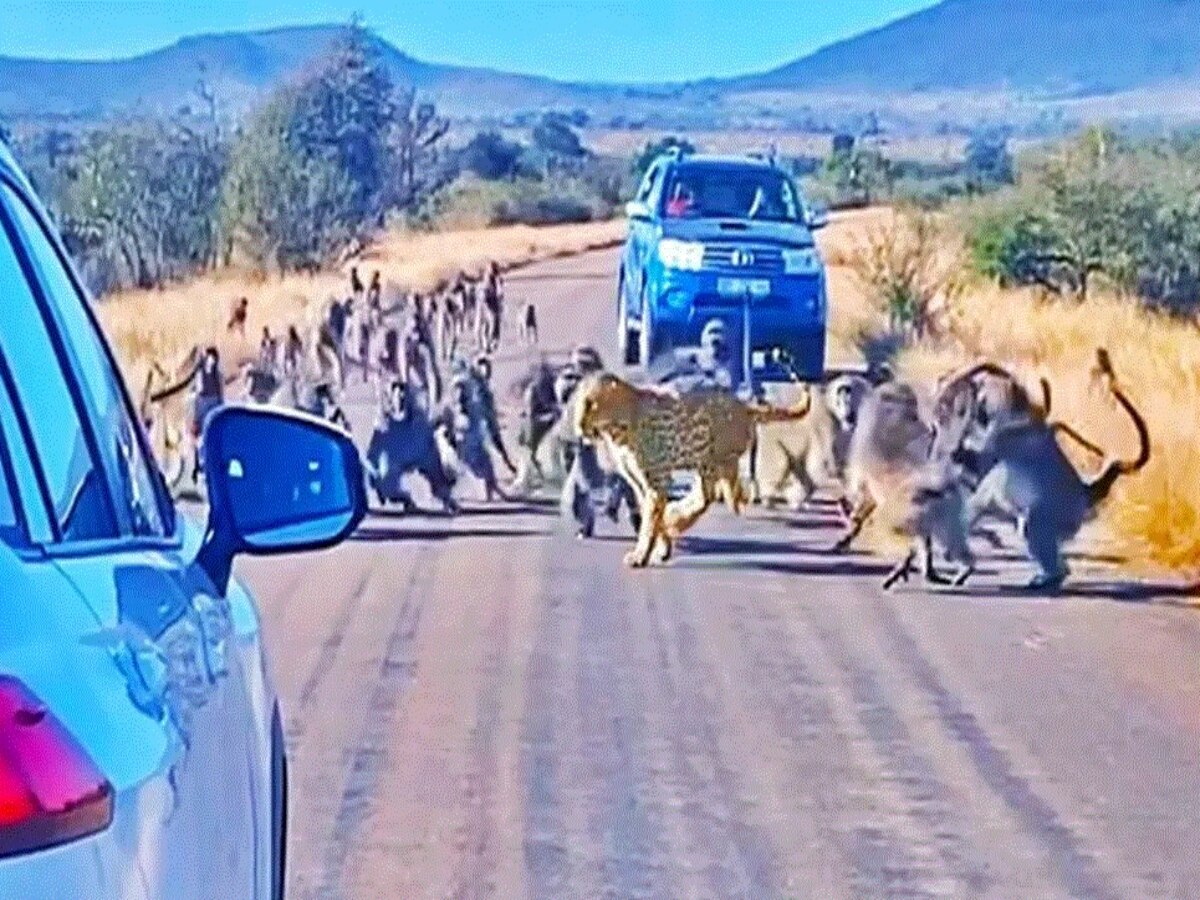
pixel 141 750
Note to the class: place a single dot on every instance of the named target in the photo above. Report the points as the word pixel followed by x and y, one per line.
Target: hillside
pixel 957 63
pixel 239 67
pixel 1072 47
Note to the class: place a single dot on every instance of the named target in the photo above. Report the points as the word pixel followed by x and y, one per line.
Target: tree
pixel 860 174
pixel 554 135
pixel 490 156
pixel 326 158
pixel 416 130
pixel 987 161
pixel 283 207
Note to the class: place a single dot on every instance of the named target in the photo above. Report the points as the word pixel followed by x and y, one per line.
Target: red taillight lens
pixel 50 790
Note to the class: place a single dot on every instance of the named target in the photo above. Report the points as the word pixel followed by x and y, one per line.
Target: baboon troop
pixel 984 451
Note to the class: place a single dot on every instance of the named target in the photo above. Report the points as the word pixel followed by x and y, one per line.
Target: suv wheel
pixel 645 342
pixel 626 336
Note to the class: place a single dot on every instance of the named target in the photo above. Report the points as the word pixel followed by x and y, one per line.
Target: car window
pixel 695 192
pixel 12 531
pixel 77 494
pixel 137 489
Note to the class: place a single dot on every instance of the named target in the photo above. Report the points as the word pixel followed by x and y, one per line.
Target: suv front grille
pixel 741 260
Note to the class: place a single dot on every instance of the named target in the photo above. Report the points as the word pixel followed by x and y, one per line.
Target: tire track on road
pixel 797 699
pixel 474 875
pixel 1077 869
pixel 326 658
pixel 927 801
pixel 545 838
pixel 611 711
pixel 368 757
pixel 741 859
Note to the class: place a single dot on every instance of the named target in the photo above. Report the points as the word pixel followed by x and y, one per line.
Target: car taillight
pixel 50 790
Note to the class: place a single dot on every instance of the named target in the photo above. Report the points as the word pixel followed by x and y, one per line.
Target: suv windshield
pixel 730 192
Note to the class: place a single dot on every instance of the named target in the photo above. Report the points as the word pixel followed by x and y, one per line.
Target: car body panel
pixel 162 681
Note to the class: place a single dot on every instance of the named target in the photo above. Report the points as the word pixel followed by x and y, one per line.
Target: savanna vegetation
pixel 329 159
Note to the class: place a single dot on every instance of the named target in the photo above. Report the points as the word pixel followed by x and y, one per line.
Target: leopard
pixel 651 433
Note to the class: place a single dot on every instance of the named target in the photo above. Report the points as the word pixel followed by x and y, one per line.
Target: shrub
pixel 906 270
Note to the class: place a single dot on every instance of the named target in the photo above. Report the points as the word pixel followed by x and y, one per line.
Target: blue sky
pixel 607 40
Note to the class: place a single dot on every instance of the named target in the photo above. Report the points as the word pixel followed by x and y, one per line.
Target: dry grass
pixel 1153 518
pixel 163 325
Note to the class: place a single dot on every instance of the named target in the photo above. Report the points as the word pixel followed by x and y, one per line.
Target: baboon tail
pixel 1046 397
pixel 1100 487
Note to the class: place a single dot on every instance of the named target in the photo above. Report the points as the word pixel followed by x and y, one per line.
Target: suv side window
pixel 72 481
pixel 141 504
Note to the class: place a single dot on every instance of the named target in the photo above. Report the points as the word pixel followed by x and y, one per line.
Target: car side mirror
pixel 636 209
pixel 278 482
pixel 817 216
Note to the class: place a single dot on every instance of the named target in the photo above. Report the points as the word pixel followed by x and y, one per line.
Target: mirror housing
pixel 636 209
pixel 816 216
pixel 278 482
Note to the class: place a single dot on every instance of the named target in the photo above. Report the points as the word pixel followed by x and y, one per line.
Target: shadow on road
pixel 839 567
pixel 1163 593
pixel 372 534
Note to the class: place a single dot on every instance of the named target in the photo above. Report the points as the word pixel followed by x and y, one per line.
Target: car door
pixel 191 661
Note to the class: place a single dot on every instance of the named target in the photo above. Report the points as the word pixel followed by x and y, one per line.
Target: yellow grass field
pixel 163 325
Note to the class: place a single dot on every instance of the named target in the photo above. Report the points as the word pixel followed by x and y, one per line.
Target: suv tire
pixel 627 338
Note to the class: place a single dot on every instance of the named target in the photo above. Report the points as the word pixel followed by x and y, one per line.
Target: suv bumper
pixel 790 315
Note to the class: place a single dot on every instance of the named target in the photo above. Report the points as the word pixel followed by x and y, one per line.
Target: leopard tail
pixel 763 413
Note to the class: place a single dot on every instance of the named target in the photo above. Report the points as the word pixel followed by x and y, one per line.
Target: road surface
pixel 484 706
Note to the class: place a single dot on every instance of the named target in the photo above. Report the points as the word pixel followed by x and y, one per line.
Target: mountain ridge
pixel 1038 48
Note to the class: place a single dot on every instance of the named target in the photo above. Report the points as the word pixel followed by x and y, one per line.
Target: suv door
pixel 192 661
pixel 641 240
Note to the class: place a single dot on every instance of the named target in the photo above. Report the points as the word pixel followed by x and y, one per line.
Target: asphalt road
pixel 484 706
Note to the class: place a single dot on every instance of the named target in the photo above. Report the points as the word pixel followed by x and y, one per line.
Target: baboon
pixel 318 399
pixel 491 309
pixel 268 350
pixel 402 442
pixel 356 285
pixel 208 395
pixel 238 313
pixel 1024 472
pixel 529 324
pixel 539 412
pixel 375 293
pixel 293 351
pixel 706 367
pixel 589 482
pixel 467 424
pixel 814 451
pixel 898 459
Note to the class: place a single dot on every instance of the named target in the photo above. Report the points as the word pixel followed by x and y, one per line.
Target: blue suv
pixel 726 238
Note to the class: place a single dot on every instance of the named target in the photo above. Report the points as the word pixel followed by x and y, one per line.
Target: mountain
pixel 1141 56
pixel 239 67
pixel 1075 47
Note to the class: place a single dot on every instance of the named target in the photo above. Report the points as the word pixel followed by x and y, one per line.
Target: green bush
pixel 1099 206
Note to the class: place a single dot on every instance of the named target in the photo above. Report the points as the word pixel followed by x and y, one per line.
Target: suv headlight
pixel 677 254
pixel 806 261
